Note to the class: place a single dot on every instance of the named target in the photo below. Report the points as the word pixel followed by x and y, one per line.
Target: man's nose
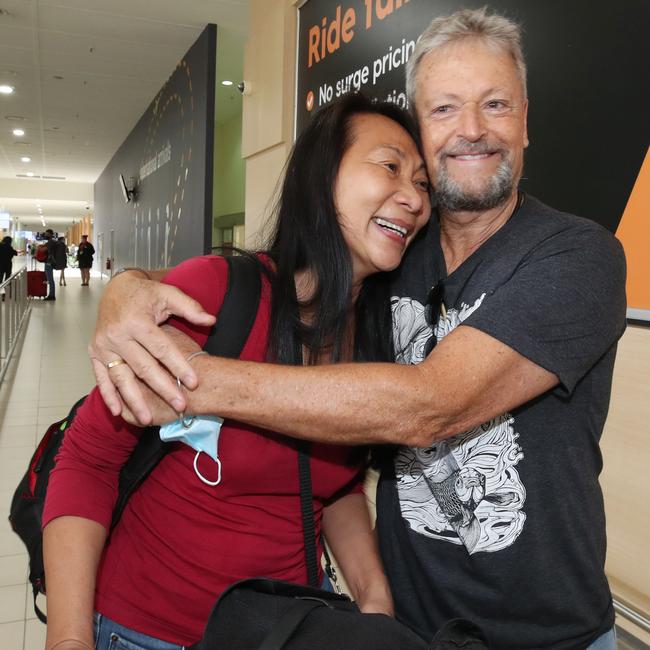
pixel 471 125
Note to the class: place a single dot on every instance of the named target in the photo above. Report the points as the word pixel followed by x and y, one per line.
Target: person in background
pixel 61 259
pixel 85 254
pixel 49 263
pixel 7 254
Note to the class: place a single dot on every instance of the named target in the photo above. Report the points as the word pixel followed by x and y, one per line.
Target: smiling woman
pixel 381 194
pixel 355 194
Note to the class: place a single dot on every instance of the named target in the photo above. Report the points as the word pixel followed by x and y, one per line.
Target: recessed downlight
pixel 6 90
pixel 226 82
pixel 25 159
pixel 30 174
pixel 19 133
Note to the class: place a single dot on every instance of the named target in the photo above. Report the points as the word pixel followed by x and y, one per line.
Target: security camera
pixel 244 87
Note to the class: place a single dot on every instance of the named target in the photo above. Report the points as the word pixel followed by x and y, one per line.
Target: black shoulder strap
pixel 239 308
pixel 227 339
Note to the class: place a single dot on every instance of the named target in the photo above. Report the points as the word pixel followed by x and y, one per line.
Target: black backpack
pixel 227 339
pixel 276 615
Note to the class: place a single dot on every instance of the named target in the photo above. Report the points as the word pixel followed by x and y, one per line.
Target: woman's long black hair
pixel 307 235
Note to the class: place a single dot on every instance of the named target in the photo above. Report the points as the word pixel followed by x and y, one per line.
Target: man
pixel 49 263
pixel 491 509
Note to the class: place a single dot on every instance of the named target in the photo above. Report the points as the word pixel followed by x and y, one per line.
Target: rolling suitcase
pixel 36 284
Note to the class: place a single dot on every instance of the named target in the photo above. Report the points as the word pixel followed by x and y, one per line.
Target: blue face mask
pixel 200 433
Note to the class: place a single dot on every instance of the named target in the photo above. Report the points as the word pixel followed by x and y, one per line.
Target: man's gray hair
pixel 493 29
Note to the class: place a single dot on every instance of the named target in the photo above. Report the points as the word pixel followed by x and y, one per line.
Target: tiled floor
pixel 49 371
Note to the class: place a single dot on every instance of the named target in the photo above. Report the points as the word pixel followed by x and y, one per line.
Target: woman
pixel 355 194
pixel 61 260
pixel 85 254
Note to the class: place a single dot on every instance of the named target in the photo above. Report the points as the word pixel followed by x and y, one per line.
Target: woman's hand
pixel 346 526
pixel 158 409
pixel 130 312
pixel 160 412
pixel 376 599
pixel 70 644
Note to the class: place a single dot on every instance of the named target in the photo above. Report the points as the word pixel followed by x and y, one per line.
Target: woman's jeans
pixel 109 635
pixel 606 641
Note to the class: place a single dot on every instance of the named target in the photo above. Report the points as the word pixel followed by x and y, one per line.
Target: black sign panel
pixel 167 161
pixel 588 121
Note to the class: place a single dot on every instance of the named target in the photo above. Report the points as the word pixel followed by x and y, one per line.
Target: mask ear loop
pixel 205 480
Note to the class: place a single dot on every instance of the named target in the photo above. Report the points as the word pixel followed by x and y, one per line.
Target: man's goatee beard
pixel 449 195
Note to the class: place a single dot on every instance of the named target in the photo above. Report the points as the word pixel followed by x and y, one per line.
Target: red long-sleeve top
pixel 180 542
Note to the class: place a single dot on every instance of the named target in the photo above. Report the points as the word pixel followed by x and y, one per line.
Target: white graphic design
pixel 464 490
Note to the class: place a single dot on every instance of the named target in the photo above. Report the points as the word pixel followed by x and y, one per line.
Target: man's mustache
pixel 467 148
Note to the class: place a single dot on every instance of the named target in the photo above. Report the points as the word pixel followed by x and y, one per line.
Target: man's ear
pixel 525 109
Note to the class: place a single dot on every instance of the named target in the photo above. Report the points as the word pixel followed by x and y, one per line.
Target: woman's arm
pixel 346 526
pixel 81 496
pixel 72 548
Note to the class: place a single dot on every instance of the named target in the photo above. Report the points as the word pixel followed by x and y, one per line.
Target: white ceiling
pixel 84 71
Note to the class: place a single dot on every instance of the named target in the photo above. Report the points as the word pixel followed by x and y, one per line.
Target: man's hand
pixel 130 312
pixel 159 411
pixel 149 402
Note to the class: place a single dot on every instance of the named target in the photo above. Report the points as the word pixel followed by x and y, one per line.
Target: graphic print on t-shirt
pixel 465 489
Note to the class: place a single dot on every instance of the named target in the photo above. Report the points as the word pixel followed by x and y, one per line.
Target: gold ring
pixel 112 364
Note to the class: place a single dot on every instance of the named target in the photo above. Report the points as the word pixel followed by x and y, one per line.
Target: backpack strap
pixel 227 339
pixel 239 309
pixel 307 514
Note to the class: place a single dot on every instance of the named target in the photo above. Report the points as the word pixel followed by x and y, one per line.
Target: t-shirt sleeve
pixel 564 306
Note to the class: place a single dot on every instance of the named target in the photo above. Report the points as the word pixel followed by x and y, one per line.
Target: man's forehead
pixel 456 68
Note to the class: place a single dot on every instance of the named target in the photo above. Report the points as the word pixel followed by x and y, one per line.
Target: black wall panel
pixel 168 157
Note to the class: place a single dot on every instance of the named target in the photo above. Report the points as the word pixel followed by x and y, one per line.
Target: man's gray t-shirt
pixel 504 524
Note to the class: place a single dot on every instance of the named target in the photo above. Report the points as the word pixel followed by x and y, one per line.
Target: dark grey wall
pixel 168 156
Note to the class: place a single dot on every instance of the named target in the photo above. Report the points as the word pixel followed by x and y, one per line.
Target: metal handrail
pixel 631 614
pixel 14 308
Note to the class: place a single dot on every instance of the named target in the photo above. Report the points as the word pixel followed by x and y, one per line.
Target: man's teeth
pixel 391 226
pixel 472 156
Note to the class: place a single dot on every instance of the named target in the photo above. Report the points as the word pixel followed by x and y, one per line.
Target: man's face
pixel 472 114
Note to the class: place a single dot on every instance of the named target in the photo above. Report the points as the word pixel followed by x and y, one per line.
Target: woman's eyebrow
pixel 400 153
pixel 394 148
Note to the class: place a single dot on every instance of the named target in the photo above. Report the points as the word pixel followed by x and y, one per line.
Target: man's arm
pixel 469 378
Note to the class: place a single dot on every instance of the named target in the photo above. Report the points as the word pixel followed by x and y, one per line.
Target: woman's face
pixel 381 194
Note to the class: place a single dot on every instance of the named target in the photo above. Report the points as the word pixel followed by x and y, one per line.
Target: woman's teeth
pixel 390 226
